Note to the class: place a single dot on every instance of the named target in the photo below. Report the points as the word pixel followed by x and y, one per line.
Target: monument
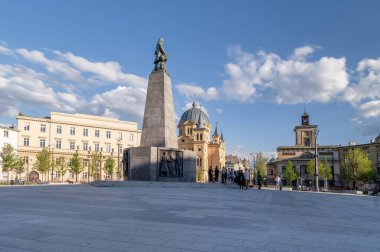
pixel 158 158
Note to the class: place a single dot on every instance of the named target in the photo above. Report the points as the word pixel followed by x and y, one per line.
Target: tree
pixel 261 165
pixel 357 167
pixel 43 161
pixel 324 169
pixel 75 165
pixel 109 166
pixel 290 172
pixel 94 165
pixel 61 166
pixel 8 159
pixel 19 166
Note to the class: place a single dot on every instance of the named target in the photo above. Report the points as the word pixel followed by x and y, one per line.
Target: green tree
pixel 61 167
pixel 290 172
pixel 19 166
pixel 324 169
pixel 75 165
pixel 109 166
pixel 357 167
pixel 261 165
pixel 43 162
pixel 94 165
pixel 8 159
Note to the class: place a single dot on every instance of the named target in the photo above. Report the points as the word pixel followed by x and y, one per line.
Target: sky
pixel 254 66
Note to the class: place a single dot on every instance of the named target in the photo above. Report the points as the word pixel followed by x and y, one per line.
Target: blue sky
pixel 252 64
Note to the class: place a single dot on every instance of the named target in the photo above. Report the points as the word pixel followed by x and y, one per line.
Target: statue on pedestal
pixel 161 57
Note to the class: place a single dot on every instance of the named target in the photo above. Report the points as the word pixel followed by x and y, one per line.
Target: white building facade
pixel 65 134
pixel 8 135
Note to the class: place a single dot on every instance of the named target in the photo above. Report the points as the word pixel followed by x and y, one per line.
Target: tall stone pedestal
pixel 158 158
pixel 159 127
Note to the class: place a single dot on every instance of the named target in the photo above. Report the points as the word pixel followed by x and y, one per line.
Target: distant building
pixel 372 148
pixel 65 134
pixel 234 163
pixel 8 135
pixel 302 152
pixel 194 134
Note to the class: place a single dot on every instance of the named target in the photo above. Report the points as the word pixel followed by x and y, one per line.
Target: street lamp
pixel 118 157
pixel 253 154
pixel 315 132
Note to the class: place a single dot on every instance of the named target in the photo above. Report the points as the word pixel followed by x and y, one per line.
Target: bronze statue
pixel 161 57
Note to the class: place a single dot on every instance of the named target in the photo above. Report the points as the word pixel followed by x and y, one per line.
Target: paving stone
pixel 193 218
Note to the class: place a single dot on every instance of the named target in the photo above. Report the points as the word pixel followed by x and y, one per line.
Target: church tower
pixel 305 132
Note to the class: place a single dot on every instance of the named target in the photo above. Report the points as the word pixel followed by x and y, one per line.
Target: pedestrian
pixel 259 179
pixel 223 175
pixel 216 174
pixel 210 174
pixel 241 180
pixel 278 181
pixel 232 177
pixel 247 179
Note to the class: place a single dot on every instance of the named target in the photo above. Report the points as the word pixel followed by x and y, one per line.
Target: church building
pixel 194 134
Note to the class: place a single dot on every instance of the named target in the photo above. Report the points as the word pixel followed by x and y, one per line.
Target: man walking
pixel 247 179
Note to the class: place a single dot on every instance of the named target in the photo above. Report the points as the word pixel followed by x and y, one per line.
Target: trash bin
pixel 12 182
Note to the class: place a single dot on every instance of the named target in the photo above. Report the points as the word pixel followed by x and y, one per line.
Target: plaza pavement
pixel 164 218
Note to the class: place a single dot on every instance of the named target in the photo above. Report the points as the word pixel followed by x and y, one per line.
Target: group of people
pixel 240 178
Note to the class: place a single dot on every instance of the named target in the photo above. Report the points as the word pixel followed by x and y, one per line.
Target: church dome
pixel 193 116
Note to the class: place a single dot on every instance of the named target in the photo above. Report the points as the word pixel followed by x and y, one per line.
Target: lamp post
pixel 253 154
pixel 316 160
pixel 118 157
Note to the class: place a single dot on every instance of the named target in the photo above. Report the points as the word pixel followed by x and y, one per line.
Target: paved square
pixel 206 218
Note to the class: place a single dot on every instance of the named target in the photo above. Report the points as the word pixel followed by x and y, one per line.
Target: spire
pixel 221 137
pixel 193 104
pixel 216 130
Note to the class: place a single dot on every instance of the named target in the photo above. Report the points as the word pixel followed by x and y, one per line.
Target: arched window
pixel 201 137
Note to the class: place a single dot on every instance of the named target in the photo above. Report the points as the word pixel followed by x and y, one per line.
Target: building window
pixel 197 137
pixel 26 141
pixel 119 135
pixel 43 128
pixel 26 160
pixel 6 133
pixel 85 132
pixel 183 140
pixel 26 126
pixel 59 129
pixel 108 147
pixel 72 145
pixel 108 134
pixel 131 137
pixel 71 175
pixel 57 161
pixel 58 144
pixel 97 134
pixel 96 147
pixel 378 170
pixel 85 163
pixel 201 137
pixel 84 175
pixel 85 146
pixel 72 131
pixel 107 177
pixel 57 175
pixel 271 171
pixel 42 143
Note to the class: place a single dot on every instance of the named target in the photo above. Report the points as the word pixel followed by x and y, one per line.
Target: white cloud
pixel 370 109
pixel 106 71
pixel 219 111
pixel 4 50
pixel 368 82
pixel 294 80
pixel 301 52
pixel 55 86
pixel 53 66
pixel 121 100
pixel 192 90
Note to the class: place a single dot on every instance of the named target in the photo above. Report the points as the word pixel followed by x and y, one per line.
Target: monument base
pixel 159 164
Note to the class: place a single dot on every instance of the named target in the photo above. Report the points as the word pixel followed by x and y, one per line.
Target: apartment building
pixel 65 134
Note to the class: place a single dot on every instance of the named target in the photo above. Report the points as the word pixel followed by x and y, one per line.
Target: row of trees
pixel 44 163
pixel 356 167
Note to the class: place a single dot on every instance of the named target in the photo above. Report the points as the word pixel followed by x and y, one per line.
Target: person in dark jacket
pixel 241 180
pixel 216 174
pixel 259 179
pixel 210 175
